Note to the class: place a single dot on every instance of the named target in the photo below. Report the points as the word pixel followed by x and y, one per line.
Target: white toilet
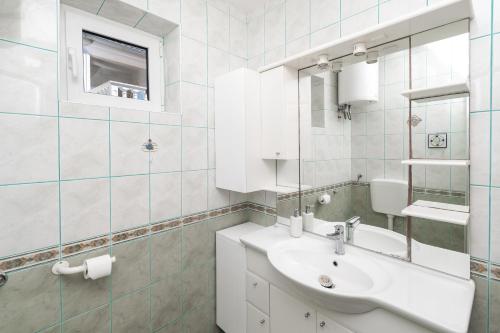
pixel 389 196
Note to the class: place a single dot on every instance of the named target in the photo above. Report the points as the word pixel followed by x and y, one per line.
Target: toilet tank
pixel 389 196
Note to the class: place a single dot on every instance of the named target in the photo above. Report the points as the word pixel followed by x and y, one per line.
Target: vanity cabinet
pixel 239 165
pixel 289 315
pixel 279 109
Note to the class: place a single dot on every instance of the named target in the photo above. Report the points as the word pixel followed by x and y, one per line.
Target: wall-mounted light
pixel 372 57
pixel 359 49
pixel 323 61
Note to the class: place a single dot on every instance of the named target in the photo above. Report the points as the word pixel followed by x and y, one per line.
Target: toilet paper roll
pixel 324 199
pixel 98 267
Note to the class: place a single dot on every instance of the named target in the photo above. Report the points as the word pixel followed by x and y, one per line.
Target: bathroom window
pixel 109 64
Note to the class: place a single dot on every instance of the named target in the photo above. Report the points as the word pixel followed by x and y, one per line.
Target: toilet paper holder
pixel 63 268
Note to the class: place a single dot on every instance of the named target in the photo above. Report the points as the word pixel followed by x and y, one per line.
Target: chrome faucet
pixel 338 238
pixel 351 225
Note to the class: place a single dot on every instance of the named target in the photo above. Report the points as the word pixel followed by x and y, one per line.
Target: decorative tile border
pixel 459 194
pixel 30 259
pixel 315 190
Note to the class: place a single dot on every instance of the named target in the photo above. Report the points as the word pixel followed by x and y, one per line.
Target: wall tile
pixel 480 74
pixel 218 64
pixel 172 98
pixel 166 301
pixel 84 148
pixel 85 209
pixel 194 104
pixel 275 27
pixel 297 19
pixel 479 148
pixel 171 53
pixel 479 221
pixel 195 244
pixel 168 156
pixel 165 196
pixel 32 22
pixel 168 9
pixel 77 110
pixel 28 141
pixel 299 45
pixel 194 20
pixel 96 321
pixel 30 212
pixel 324 13
pixel 127 156
pixel 359 21
pixel 117 11
pixel 238 38
pixel 131 270
pixel 35 290
pixel 165 254
pixel 255 36
pixel 392 9
pixel 496 73
pixel 194 192
pixel 217 198
pixel 194 148
pixel 80 295
pixel 325 35
pixel 129 202
pixel 218 28
pixel 131 313
pixel 495 226
pixel 28 77
pixel 481 24
pixel 193 68
pixel 91 6
pixel 350 8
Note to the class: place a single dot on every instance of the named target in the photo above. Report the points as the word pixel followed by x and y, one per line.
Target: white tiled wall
pixel 72 172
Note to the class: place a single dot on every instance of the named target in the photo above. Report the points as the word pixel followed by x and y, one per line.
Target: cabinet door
pixel 273 111
pixel 289 315
pixel 327 325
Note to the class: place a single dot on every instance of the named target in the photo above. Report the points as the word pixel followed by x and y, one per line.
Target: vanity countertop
pixel 435 300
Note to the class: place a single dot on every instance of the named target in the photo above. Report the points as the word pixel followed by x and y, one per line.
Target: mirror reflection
pixel 358 130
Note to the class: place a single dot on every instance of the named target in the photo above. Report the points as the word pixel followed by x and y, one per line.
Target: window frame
pixel 73 23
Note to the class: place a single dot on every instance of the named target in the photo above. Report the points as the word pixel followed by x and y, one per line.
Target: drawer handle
pixel 262 321
pixel 307 314
pixel 322 324
pixel 255 284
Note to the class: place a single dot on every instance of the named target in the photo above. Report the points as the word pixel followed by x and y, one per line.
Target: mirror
pixel 357 131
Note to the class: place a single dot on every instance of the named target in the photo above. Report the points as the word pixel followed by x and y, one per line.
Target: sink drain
pixel 325 281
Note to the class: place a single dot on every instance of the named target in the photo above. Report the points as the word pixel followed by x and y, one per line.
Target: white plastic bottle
pixel 308 219
pixel 296 224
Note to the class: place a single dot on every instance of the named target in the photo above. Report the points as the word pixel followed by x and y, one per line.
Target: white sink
pixel 304 260
pixel 369 237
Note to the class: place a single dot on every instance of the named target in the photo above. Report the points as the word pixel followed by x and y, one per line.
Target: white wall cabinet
pixel 238 129
pixel 289 315
pixel 280 118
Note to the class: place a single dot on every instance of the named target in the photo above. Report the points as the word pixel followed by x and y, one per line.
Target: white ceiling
pixel 247 5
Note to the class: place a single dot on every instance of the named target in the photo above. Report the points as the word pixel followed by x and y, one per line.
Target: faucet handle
pixel 339 232
pixel 353 222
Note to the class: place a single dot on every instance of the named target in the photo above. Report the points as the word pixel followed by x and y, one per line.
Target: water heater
pixel 358 84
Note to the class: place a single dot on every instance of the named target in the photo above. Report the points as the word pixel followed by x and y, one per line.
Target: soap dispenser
pixel 308 219
pixel 296 224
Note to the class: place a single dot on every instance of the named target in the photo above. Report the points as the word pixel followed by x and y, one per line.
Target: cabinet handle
pixel 307 314
pixel 262 321
pixel 255 284
pixel 322 324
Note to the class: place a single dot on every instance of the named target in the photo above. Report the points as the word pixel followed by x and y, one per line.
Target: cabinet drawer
pixel 327 325
pixel 257 322
pixel 258 292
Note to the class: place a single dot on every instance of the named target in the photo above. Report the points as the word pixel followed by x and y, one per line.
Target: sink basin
pixel 304 260
pixel 369 237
